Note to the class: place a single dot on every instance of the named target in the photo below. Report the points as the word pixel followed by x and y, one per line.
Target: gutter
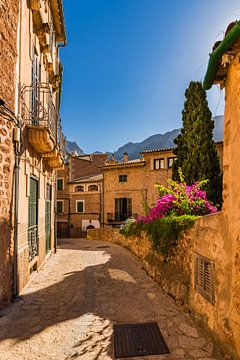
pixel 216 55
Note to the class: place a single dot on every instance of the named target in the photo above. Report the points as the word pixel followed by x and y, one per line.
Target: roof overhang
pixel 58 19
pixel 215 57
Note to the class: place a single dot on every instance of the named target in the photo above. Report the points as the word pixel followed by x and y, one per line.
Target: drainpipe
pixel 16 139
pixel 69 217
pixel 216 55
pixel 103 214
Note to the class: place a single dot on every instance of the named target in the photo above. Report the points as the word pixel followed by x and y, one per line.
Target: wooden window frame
pixel 170 158
pixel 159 160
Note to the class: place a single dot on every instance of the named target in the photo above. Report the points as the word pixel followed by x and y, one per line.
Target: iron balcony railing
pixel 61 140
pixel 37 107
pixel 32 241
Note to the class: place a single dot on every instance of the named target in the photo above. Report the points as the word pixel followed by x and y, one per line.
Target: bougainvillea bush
pixel 175 211
pixel 180 199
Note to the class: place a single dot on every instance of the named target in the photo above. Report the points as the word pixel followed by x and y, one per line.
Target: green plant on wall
pixel 175 211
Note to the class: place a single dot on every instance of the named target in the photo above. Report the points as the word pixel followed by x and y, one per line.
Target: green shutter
pixel 60 184
pixel 48 217
pixel 80 206
pixel 59 207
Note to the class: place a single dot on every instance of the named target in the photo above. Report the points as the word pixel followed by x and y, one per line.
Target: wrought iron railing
pixel 61 140
pixel 37 107
pixel 32 241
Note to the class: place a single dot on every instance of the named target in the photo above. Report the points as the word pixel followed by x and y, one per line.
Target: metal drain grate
pixel 138 340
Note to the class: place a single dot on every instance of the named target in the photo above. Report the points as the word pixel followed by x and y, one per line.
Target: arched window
pixel 79 188
pixel 92 188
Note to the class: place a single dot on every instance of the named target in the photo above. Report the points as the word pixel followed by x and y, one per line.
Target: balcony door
pixel 35 92
pixel 123 209
pixel 33 219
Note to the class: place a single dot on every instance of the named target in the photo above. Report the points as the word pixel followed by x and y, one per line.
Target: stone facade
pixel 41 29
pixel 8 58
pixel 81 183
pixel 30 86
pixel 140 177
pixel 133 180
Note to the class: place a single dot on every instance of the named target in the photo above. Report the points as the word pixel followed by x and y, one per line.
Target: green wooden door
pixel 33 219
pixel 48 218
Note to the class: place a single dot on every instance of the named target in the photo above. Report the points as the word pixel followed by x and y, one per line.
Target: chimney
pixel 113 157
pixel 125 156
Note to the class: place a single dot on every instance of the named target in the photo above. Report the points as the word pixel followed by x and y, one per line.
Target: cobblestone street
pixel 68 310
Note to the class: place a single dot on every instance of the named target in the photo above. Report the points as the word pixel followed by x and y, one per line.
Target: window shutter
pixel 204 279
pixel 129 207
pixel 80 206
pixel 117 209
pixel 59 207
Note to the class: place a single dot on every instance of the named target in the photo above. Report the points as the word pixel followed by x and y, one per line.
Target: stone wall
pixel 176 276
pixel 8 55
pixel 231 190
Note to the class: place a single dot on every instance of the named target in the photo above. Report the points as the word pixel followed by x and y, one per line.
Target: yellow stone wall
pixel 141 178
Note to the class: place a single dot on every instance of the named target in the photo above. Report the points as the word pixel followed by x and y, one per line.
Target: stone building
pixel 34 79
pixel 79 194
pixel 8 59
pixel 216 237
pixel 128 186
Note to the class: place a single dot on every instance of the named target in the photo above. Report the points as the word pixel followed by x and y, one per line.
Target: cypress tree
pixel 195 149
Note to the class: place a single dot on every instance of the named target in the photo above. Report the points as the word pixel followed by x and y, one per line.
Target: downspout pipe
pixel 216 55
pixel 16 207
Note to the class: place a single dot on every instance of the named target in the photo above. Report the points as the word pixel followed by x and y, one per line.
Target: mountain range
pixel 157 141
pixel 160 141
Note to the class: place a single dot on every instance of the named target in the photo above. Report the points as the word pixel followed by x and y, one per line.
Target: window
pixel 122 178
pixel 158 164
pixel 60 184
pixel 93 188
pixel 79 188
pixel 204 277
pixel 59 207
pixel 123 209
pixel 170 161
pixel 80 206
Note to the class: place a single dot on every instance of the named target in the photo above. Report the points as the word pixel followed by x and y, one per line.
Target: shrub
pixel 163 232
pixel 175 211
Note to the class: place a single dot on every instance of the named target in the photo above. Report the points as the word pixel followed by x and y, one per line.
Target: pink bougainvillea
pixel 179 199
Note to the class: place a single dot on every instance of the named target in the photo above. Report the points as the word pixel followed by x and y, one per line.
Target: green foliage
pixel 196 151
pixel 163 233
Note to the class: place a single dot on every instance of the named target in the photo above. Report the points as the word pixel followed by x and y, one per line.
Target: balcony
pixel 39 114
pixel 43 123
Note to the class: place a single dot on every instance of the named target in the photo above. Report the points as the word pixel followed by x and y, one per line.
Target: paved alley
pixel 68 310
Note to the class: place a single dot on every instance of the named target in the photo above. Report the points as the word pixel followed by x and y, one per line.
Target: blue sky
pixel 127 64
